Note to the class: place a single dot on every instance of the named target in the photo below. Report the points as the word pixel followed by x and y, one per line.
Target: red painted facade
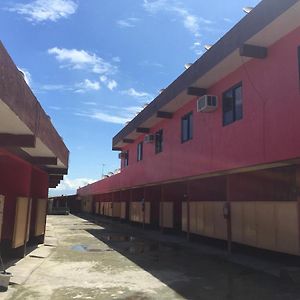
pixel 28 181
pixel 268 132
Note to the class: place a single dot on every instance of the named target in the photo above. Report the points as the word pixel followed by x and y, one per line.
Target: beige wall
pixel 206 218
pixel 269 225
pixel 166 215
pixel 136 212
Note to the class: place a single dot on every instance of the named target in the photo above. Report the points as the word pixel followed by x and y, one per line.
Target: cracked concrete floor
pixel 84 260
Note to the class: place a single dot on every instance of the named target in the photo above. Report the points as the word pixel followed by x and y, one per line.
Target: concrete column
pixel 187 197
pixel 161 215
pixel 227 215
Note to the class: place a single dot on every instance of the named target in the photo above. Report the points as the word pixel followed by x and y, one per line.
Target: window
pixel 140 151
pixel 187 127
pixel 126 159
pixel 232 105
pixel 159 141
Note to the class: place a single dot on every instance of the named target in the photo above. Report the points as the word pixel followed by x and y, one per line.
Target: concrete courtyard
pixel 99 259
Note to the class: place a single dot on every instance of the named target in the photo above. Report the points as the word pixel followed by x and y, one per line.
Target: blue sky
pixel 94 63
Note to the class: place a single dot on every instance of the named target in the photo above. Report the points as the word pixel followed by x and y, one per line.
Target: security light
pixel 186 66
pixel 207 47
pixel 247 9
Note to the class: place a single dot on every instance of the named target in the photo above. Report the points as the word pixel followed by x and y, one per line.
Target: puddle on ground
pixel 88 248
pixel 144 247
pixel 116 238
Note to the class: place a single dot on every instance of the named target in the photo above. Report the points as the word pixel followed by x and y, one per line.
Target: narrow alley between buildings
pixel 97 258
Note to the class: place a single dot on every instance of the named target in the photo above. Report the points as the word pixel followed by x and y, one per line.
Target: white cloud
pixel 54 87
pixel 127 23
pixel 87 85
pixel 81 59
pixel 147 63
pixel 191 22
pixel 90 103
pixel 156 5
pixel 69 186
pixel 136 94
pixel 111 114
pixel 228 20
pixel 26 75
pixel 116 59
pixel 55 107
pixel 105 117
pixel 45 10
pixel 110 84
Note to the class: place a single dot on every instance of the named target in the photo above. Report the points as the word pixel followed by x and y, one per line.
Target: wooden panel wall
pixel 137 214
pixel 97 208
pixel 106 209
pixel 87 204
pixel 116 207
pixel 123 210
pixel 166 215
pixel 41 211
pixel 206 219
pixel 21 222
pixel 271 225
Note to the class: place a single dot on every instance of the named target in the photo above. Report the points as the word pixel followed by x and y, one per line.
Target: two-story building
pixel 217 153
pixel 33 158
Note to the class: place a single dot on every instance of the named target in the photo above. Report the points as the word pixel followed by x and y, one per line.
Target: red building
pixel 33 158
pixel 225 166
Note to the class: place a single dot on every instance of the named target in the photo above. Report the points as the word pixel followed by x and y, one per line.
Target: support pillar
pixel 112 203
pixel 227 215
pixel 187 196
pixel 144 207
pixel 161 215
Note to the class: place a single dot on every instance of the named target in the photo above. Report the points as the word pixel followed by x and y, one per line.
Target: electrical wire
pixel 264 101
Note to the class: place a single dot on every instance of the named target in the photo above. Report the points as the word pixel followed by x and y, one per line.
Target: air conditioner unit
pixel 149 138
pixel 123 155
pixel 207 103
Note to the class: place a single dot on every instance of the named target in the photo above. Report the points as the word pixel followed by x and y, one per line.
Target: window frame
pixel 189 134
pixel 158 147
pixel 139 151
pixel 126 159
pixel 235 118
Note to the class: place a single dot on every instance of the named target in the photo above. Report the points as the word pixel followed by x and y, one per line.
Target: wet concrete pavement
pixel 109 260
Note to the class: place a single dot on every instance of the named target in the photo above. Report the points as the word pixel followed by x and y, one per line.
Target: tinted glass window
pixel 233 105
pixel 126 159
pixel 159 141
pixel 187 127
pixel 140 151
